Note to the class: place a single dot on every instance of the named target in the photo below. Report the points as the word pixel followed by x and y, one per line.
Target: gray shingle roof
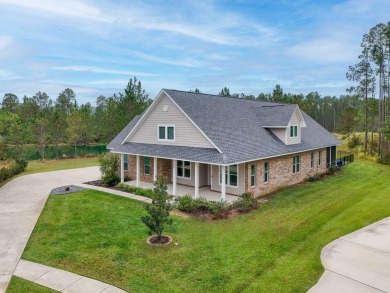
pixel 235 126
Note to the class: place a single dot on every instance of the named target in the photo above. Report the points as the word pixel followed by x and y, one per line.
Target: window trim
pixel 148 174
pixel 266 172
pixel 319 158
pixel 227 169
pixel 294 130
pixel 177 167
pixel 311 160
pixel 253 175
pixel 125 162
pixel 296 164
pixel 166 132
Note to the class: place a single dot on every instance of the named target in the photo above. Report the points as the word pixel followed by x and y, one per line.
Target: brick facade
pixel 164 168
pixel 281 172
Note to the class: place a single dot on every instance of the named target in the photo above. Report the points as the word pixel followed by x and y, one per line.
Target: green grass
pixel 19 285
pixel 55 165
pixel 273 249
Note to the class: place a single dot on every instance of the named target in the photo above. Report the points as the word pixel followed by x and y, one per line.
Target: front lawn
pixel 273 249
pixel 18 285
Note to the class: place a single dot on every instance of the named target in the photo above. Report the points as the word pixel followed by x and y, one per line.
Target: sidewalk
pixel 60 280
pixel 358 262
pixel 116 192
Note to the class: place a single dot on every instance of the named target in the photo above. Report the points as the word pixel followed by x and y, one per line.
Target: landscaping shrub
pixel 109 167
pixel 218 208
pixel 187 204
pixel 15 168
pixel 136 190
pixel 315 177
pixel 158 211
pixel 245 203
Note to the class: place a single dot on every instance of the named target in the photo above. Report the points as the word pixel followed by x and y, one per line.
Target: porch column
pixel 196 180
pixel 137 172
pixel 223 183
pixel 174 171
pixel 122 168
pixel 154 169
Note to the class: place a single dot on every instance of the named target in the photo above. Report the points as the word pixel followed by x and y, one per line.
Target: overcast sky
pixel 95 47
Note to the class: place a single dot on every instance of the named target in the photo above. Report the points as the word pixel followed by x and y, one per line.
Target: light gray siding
pixel 240 189
pixel 186 134
pixel 294 121
pixel 280 133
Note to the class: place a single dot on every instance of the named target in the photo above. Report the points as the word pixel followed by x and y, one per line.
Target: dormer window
pixel 293 131
pixel 166 132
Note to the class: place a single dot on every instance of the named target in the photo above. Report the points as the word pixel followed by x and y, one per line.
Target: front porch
pixel 181 190
pixel 185 177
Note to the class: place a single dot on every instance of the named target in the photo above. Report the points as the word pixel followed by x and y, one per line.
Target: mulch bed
pixel 100 184
pixel 66 189
pixel 153 240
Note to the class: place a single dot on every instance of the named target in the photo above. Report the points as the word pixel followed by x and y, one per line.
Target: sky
pixel 95 47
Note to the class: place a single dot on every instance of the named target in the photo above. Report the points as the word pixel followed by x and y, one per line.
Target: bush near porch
pixel 272 249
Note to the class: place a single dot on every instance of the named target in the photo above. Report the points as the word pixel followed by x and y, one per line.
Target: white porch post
pixel 174 179
pixel 122 168
pixel 137 172
pixel 154 169
pixel 223 183
pixel 196 180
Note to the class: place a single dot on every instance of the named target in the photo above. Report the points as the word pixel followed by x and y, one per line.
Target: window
pixel 293 131
pixel 266 172
pixel 296 163
pixel 184 169
pixel 166 132
pixel 311 160
pixel 253 175
pixel 319 158
pixel 231 175
pixel 146 165
pixel 125 162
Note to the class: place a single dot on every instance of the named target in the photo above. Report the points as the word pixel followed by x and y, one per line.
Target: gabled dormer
pixel 289 128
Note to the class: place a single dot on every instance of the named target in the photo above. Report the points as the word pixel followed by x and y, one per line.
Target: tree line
pixel 40 120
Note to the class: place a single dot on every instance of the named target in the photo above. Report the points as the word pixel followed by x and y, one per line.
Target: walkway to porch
pixel 181 190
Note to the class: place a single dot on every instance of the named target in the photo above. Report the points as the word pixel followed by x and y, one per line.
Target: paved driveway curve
pixel 358 262
pixel 21 203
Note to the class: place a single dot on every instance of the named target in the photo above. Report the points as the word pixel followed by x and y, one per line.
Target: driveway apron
pixel 21 203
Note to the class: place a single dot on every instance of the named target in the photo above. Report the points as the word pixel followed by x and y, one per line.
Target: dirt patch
pixel 5 164
pixel 180 214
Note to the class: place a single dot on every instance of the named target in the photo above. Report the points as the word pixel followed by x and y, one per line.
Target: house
pixel 193 139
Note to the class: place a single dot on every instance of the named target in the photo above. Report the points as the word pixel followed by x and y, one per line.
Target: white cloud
pixel 188 62
pixel 7 75
pixel 324 50
pixel 100 70
pixel 69 8
pixel 5 41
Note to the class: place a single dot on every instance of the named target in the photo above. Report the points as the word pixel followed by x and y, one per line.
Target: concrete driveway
pixel 358 262
pixel 21 203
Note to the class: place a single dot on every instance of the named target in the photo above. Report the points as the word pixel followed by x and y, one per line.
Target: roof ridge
pixel 231 97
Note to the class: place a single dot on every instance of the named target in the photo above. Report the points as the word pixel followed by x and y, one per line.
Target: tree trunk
pixel 372 132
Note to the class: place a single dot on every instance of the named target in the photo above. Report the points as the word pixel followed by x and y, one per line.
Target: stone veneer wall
pixel 280 172
pixel 164 168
